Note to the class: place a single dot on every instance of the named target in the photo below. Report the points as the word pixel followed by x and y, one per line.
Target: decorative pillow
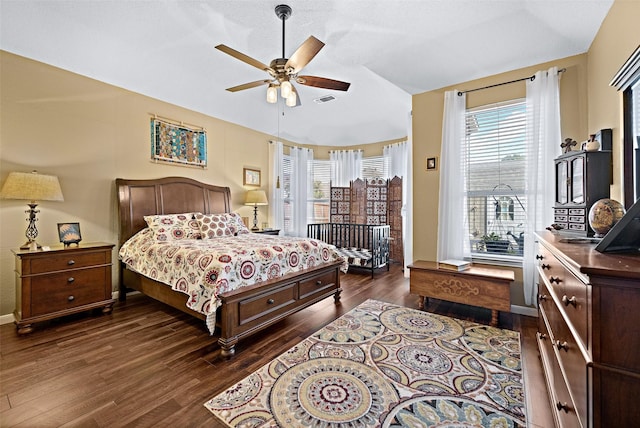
pixel 224 224
pixel 173 227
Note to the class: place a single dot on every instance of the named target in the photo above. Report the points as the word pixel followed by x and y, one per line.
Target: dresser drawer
pixel 577 226
pixel 64 290
pixel 573 365
pixel 577 211
pixel 264 305
pixel 71 260
pixel 317 284
pixel 561 404
pixel 571 294
pixel 576 219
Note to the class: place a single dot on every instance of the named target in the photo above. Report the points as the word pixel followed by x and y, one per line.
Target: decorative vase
pixel 603 215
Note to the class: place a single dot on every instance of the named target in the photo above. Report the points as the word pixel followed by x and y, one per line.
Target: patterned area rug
pixel 385 365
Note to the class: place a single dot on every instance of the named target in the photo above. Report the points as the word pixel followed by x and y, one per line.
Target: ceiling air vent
pixel 324 99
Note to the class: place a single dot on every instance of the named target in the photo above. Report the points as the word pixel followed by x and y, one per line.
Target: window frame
pixel 517 196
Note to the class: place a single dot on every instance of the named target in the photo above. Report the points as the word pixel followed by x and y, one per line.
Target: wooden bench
pixel 476 286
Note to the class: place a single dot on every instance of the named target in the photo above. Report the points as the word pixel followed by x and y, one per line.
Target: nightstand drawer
pixel 64 290
pixel 71 260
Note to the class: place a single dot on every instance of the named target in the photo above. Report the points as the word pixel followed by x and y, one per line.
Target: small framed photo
pixel 69 233
pixel 432 164
pixel 251 177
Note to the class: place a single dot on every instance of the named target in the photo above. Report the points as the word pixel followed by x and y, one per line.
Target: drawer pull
pixel 270 302
pixel 71 298
pixel 553 279
pixel 562 345
pixel 569 301
pixel 319 283
pixel 71 262
pixel 539 257
pixel 544 266
pixel 70 280
pixel 542 297
pixel 542 336
pixel 563 406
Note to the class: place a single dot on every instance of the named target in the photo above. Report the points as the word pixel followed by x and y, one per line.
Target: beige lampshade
pixel 31 187
pixel 256 197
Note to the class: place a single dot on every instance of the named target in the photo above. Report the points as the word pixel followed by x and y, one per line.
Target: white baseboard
pixel 7 319
pixel 524 310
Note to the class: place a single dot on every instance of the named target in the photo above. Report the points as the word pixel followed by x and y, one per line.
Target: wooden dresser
pixel 61 281
pixel 589 332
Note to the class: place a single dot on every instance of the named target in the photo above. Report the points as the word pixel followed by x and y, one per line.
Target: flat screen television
pixel 624 236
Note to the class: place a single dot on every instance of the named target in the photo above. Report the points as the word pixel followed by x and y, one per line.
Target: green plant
pixel 494 243
pixel 491 237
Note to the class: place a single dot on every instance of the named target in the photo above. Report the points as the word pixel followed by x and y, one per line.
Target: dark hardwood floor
pixel 147 364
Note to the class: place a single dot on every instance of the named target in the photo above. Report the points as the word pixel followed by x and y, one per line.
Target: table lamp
pixel 31 187
pixel 255 198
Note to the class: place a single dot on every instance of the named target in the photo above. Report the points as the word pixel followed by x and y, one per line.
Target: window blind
pixel 495 168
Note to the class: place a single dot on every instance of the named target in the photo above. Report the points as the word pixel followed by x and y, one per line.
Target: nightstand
pixel 61 281
pixel 267 231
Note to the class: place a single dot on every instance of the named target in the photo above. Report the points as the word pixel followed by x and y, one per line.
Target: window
pixel 374 167
pixel 287 169
pixel 320 198
pixel 495 167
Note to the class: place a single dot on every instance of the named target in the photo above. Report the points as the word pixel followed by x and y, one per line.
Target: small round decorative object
pixel 603 215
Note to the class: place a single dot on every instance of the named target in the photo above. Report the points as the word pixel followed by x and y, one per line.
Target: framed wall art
pixel 69 233
pixel 177 143
pixel 251 177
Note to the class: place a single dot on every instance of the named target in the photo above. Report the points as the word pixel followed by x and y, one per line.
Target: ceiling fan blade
pixel 303 55
pixel 323 82
pixel 248 85
pixel 242 57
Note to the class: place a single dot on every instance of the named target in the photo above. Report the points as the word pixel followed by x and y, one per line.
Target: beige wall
pixel 88 133
pixel 617 39
pixel 588 104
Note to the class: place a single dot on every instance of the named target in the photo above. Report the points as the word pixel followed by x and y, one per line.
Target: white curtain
pixel 276 204
pixel 453 239
pixel 543 145
pixel 398 158
pixel 346 166
pixel 300 188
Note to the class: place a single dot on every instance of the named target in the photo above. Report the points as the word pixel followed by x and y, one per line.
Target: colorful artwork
pixel 178 143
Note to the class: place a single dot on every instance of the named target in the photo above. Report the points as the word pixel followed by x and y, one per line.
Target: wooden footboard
pixel 250 309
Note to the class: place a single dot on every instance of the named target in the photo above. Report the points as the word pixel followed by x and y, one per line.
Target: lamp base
pixel 31 246
pixel 255 219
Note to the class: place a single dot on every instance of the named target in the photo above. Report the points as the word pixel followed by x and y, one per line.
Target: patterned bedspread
pixel 204 268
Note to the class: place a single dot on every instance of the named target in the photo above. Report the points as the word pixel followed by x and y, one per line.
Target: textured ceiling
pixel 388 50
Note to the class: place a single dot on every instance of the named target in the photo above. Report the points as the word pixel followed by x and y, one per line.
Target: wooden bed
pixel 244 311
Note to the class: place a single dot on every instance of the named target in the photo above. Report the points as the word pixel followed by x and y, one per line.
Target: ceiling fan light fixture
pixel 285 89
pixel 272 94
pixel 292 99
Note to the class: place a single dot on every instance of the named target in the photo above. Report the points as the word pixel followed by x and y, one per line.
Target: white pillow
pixel 174 227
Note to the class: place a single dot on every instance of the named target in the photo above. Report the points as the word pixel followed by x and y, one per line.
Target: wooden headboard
pixel 169 195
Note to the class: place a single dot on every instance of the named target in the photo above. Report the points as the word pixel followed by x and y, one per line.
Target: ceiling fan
pixel 284 71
